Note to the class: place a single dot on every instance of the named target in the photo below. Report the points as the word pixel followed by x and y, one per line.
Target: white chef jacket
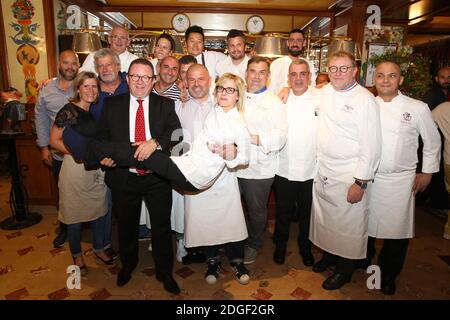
pixel 441 115
pixel 227 65
pixel 215 216
pixel 348 146
pixel 279 70
pixel 391 201
pixel 265 116
pixel 297 159
pixel 125 57
pixel 211 60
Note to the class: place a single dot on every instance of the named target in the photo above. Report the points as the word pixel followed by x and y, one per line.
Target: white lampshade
pixel 345 45
pixel 271 47
pixel 86 42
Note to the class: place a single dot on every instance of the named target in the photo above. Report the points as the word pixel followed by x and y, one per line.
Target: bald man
pixel 391 197
pixel 119 40
pixel 51 99
pixel 192 115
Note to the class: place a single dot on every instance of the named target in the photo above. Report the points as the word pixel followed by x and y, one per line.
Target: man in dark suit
pixel 147 121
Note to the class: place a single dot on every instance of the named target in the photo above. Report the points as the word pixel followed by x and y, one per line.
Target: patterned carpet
pixel 31 269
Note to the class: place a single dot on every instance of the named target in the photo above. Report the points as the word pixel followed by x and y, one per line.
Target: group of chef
pixel 366 179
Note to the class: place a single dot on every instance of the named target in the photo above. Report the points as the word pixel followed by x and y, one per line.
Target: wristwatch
pixel 158 146
pixel 361 184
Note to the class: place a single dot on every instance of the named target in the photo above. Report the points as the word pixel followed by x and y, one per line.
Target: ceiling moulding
pixel 215 9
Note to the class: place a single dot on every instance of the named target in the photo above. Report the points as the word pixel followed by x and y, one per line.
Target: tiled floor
pixel 31 269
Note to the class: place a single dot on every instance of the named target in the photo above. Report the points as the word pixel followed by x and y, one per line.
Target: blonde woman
pixel 82 194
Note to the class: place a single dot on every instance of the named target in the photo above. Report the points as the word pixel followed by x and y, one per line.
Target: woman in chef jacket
pixel 214 217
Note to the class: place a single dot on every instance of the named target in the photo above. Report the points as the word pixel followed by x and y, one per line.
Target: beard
pixel 295 52
pixel 67 75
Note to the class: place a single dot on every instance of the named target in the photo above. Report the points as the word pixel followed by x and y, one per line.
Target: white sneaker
pixel 446 236
pixel 181 250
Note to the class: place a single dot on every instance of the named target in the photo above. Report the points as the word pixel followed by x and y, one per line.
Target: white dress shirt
pixel 134 105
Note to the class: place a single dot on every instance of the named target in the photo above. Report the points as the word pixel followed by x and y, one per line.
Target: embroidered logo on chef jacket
pixel 316 111
pixel 407 117
pixel 347 108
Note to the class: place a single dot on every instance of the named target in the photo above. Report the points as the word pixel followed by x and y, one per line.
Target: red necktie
pixel 139 129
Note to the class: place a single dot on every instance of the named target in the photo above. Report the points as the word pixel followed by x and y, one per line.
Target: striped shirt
pixel 173 92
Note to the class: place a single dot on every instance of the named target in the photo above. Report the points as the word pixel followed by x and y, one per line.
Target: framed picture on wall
pixel 376 49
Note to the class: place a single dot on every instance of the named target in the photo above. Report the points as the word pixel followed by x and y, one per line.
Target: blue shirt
pixel 96 108
pixel 50 100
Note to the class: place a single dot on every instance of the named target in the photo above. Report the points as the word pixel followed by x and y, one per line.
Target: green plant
pixel 414 69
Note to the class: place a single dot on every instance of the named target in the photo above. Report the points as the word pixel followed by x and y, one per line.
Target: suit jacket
pixel 114 126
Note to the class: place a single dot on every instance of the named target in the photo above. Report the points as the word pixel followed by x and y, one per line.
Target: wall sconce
pixel 270 46
pixel 345 44
pixel 86 42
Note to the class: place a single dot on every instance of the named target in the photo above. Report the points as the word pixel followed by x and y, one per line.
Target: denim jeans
pixel 74 236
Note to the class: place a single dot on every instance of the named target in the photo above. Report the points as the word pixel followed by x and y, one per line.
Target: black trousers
pixel 343 265
pixel 288 194
pixel 233 250
pixel 123 155
pixel 391 258
pixel 127 201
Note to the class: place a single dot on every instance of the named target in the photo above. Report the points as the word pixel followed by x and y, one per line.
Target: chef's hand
pixel 355 194
pixel 144 149
pixel 283 94
pixel 108 162
pixel 421 182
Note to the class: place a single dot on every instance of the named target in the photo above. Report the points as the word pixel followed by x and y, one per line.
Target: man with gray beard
pixel 51 99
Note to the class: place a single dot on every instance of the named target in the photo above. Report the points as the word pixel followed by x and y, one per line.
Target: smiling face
pixel 88 91
pixel 225 99
pixel 140 88
pixel 68 65
pixel 298 78
pixel 198 81
pixel 341 80
pixel 107 69
pixel 387 80
pixel 119 40
pixel 168 70
pixel 194 44
pixel 163 48
pixel 236 48
pixel 295 43
pixel 256 76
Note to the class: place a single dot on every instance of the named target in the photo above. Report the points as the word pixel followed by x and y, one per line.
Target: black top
pixel 79 124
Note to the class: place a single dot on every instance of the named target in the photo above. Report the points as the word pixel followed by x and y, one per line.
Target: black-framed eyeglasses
pixel 136 78
pixel 343 69
pixel 228 90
